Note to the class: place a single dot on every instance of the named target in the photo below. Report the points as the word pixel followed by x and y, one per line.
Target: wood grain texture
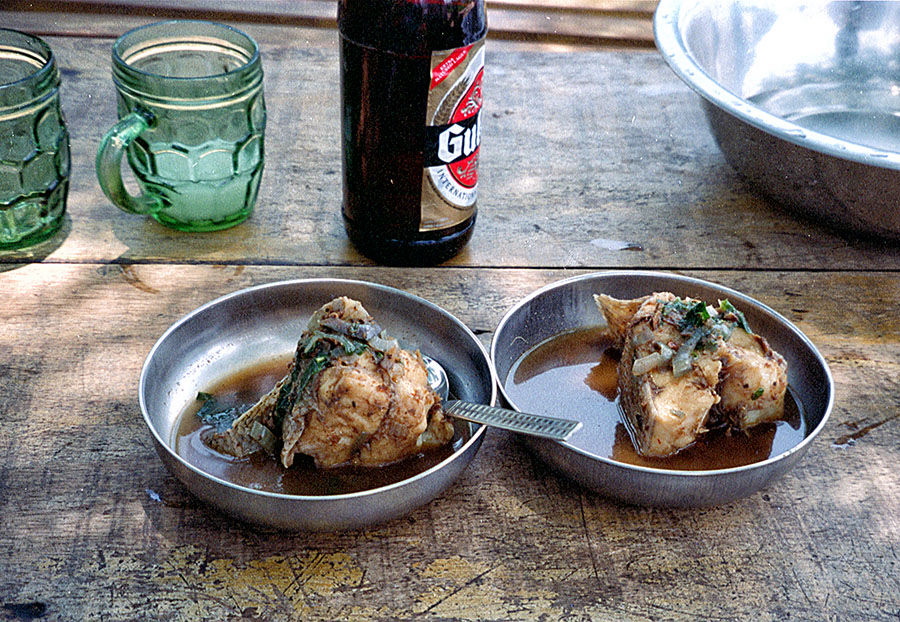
pixel 617 21
pixel 95 527
pixel 592 159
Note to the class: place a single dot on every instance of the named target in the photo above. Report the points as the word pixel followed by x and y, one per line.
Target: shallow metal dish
pixel 569 305
pixel 257 324
pixel 802 98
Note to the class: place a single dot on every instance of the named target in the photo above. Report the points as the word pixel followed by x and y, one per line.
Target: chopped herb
pixel 351 328
pixel 701 326
pixel 211 413
pixel 726 307
pixel 286 397
pixel 757 394
pixel 335 337
pixel 314 367
pixel 314 353
pixel 351 346
pixel 674 311
pixel 696 315
pixel 707 342
pixel 294 388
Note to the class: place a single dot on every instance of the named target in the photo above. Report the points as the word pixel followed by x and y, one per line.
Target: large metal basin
pixel 803 99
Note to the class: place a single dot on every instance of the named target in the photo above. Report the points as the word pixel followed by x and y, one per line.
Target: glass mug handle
pixel 109 164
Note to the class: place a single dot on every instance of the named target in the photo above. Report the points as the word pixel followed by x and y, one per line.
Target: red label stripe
pixel 446 67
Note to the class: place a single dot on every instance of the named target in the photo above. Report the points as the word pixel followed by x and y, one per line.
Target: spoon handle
pixel 494 416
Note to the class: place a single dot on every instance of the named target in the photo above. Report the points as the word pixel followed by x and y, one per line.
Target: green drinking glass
pixel 34 142
pixel 191 120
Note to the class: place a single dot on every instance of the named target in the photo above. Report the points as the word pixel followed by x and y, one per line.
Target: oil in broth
pixel 578 369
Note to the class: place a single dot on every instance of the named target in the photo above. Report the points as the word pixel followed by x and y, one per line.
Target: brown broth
pixel 578 369
pixel 262 472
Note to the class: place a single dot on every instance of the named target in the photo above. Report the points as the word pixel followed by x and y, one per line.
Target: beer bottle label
pixel 452 137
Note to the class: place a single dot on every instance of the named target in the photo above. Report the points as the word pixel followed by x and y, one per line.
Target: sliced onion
pixel 383 344
pixel 666 352
pixel 264 436
pixel 357 330
pixel 646 363
pixel 653 360
pixel 681 362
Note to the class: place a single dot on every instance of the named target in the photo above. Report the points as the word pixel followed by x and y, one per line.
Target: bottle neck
pixel 412 27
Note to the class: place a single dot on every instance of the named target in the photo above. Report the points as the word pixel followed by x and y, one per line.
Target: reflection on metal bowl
pixel 803 98
pixel 242 329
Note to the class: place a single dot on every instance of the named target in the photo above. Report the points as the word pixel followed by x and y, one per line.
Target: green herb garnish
pixel 315 352
pixel 757 394
pixel 210 413
pixel 674 311
pixel 697 315
pixel 701 326
pixel 726 307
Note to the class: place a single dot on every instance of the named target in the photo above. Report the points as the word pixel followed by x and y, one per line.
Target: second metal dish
pixel 569 305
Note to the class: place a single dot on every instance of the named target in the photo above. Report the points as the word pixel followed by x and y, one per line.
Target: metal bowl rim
pixel 462 449
pixel 670 43
pixel 799 447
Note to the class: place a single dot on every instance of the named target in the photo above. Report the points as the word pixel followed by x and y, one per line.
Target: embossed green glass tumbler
pixel 191 120
pixel 34 143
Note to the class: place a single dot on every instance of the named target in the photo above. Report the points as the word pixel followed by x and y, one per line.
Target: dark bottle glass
pixel 411 98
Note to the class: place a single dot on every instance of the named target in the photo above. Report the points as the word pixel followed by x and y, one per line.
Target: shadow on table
pixel 147 240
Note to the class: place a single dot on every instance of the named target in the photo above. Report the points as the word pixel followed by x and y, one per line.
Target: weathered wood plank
pixel 95 528
pixel 622 173
pixel 570 20
pixel 590 159
pixel 297 8
pixel 643 7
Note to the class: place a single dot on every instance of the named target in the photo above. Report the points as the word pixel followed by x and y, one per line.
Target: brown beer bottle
pixel 411 99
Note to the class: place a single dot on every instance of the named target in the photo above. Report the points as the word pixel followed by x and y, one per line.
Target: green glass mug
pixel 34 142
pixel 191 120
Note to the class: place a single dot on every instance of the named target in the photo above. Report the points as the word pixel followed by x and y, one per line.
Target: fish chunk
pixel 753 381
pixel 687 367
pixel 351 396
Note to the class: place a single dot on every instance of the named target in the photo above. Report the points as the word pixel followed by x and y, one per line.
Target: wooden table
pixel 595 157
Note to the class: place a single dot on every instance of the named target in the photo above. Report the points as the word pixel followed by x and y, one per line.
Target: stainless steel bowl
pixel 568 305
pixel 803 99
pixel 260 323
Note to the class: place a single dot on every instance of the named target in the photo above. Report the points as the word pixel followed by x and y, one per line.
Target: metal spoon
pixel 494 416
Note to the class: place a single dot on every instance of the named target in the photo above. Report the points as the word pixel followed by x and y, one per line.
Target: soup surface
pixel 578 370
pixel 262 472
